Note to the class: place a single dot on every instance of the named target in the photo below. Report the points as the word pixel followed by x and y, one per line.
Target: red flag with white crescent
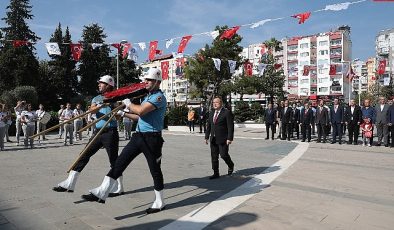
pixel 302 17
pixel 125 49
pixel 152 49
pixel 333 70
pixel 183 43
pixel 164 69
pixel 76 50
pixel 248 68
pixel 19 43
pixel 229 33
pixel 382 66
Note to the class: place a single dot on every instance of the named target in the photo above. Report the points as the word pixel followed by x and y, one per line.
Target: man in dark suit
pixel 270 121
pixel 390 120
pixel 337 119
pixel 321 121
pixel 220 129
pixel 295 122
pixel 286 121
pixel 353 119
pixel 381 121
pixel 306 121
pixel 202 117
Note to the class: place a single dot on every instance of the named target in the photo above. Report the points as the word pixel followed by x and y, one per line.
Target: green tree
pixel 18 65
pixel 201 70
pixel 273 79
pixel 60 72
pixel 94 63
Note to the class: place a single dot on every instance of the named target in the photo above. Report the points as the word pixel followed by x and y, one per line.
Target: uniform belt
pixel 107 129
pixel 149 134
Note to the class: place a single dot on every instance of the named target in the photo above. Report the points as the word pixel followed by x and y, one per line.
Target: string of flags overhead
pixel 126 50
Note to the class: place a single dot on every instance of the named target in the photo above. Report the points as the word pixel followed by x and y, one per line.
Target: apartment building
pixel 175 86
pixel 308 60
pixel 384 45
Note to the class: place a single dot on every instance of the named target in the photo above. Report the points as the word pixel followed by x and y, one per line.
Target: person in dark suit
pixel 220 132
pixel 353 119
pixel 390 120
pixel 270 121
pixel 369 112
pixel 337 119
pixel 286 121
pixel 381 121
pixel 202 117
pixel 321 121
pixel 295 122
pixel 306 121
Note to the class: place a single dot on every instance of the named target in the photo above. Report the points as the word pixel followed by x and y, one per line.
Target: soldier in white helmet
pixel 147 140
pixel 109 139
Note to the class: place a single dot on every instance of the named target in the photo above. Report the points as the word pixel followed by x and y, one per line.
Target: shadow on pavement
pixel 209 190
pixel 228 221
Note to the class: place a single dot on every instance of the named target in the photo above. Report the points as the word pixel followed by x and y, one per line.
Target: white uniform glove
pixel 127 102
pixel 121 113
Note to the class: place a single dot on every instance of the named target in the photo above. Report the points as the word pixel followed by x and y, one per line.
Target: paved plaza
pixel 276 185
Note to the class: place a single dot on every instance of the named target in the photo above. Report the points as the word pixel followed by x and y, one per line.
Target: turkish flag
pixel 164 69
pixel 125 49
pixel 183 43
pixel 382 67
pixel 229 33
pixel 306 70
pixel 76 50
pixel 248 68
pixel 350 74
pixel 277 66
pixel 117 46
pixel 333 70
pixel 152 49
pixel 19 43
pixel 302 17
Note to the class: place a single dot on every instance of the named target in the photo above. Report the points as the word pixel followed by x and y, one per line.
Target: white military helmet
pixel 107 79
pixel 154 74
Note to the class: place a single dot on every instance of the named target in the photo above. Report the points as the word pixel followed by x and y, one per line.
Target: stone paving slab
pixel 28 175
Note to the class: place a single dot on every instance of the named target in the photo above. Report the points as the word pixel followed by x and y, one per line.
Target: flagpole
pixel 117 70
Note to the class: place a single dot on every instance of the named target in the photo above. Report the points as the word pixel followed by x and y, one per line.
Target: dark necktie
pixel 215 117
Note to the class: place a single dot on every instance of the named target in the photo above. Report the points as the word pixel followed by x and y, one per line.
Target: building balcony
pixel 336 55
pixel 335 46
pixel 292 86
pixel 292 78
pixel 313 85
pixel 292 60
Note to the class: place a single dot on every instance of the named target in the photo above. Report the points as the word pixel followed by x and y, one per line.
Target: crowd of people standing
pixel 302 121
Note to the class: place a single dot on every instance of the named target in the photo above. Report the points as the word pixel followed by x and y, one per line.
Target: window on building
pixel 323 89
pixel 304 45
pixel 304 81
pixel 323 43
pixel 323 80
pixel 323 52
pixel 304 63
pixel 304 90
pixel 292 48
pixel 304 54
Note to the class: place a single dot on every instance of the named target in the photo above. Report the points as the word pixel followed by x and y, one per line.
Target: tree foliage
pixel 94 62
pixel 201 70
pixel 18 65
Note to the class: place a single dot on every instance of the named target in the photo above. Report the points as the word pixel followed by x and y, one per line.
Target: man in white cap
pixel 147 140
pixel 109 139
